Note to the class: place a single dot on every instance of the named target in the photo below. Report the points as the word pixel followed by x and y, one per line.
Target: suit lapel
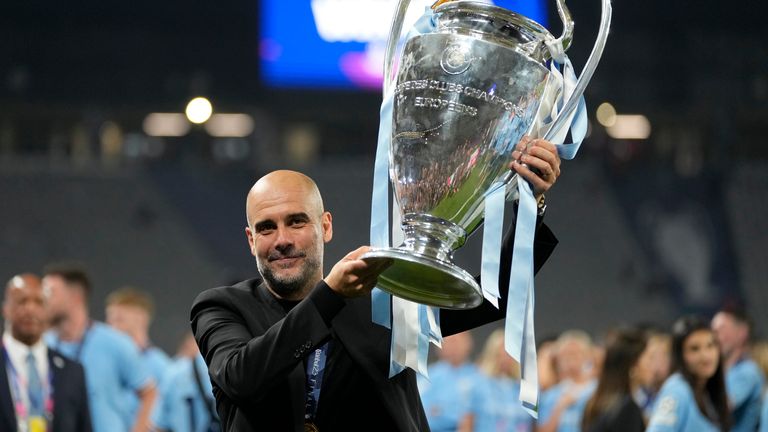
pixel 7 414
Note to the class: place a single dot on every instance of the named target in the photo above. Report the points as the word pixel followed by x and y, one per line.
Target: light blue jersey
pixel 496 406
pixel 570 419
pixel 764 415
pixel 113 369
pixel 447 394
pixel 157 363
pixel 744 382
pixel 181 406
pixel 676 410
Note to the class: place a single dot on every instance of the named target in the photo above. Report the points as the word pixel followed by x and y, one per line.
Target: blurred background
pixel 108 157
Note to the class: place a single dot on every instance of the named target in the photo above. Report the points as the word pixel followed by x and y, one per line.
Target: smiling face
pixel 287 228
pixel 701 354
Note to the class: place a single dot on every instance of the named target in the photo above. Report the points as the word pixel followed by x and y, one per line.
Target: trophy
pixel 465 94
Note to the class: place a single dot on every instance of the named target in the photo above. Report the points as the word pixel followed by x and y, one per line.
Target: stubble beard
pixel 291 286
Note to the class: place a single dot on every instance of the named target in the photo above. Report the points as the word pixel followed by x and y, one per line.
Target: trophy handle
pixel 566 38
pixel 589 68
pixel 394 37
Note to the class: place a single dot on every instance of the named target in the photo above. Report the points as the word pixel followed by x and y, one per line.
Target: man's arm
pixel 246 365
pixel 146 395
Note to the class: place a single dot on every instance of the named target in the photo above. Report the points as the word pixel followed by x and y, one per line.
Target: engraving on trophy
pixel 456 59
pixel 449 87
pixel 443 104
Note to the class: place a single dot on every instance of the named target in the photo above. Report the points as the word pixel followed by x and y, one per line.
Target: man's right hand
pixel 353 277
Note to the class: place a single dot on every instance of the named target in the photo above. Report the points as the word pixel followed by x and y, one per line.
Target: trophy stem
pixel 431 236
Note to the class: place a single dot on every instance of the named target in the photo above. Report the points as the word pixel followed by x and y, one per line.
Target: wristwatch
pixel 541 205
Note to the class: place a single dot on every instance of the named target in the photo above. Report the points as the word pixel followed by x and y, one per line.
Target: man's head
pixel 287 228
pixel 456 348
pixel 24 308
pixel 67 286
pixel 732 328
pixel 130 311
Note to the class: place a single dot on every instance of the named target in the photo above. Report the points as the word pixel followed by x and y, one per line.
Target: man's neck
pixel 733 357
pixel 73 327
pixel 141 340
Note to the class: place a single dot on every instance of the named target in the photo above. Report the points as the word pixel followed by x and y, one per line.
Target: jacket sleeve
pixel 457 321
pixel 84 413
pixel 246 365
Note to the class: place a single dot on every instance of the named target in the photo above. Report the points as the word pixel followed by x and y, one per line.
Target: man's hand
pixel 538 162
pixel 353 277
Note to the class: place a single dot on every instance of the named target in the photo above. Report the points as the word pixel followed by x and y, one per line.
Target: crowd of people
pixel 67 372
pixel 700 375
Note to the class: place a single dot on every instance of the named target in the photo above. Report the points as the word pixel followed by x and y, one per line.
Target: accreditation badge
pixel 310 427
pixel 37 424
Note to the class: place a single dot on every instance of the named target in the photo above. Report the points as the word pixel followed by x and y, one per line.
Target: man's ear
pixel 251 244
pixel 327 222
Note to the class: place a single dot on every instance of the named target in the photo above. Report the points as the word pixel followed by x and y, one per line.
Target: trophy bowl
pixel 465 94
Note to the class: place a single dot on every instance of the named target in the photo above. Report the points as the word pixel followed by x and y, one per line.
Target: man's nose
pixel 283 238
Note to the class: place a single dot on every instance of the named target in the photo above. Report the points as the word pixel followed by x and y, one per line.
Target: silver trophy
pixel 465 94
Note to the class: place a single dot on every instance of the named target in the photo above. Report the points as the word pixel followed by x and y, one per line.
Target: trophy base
pixel 426 280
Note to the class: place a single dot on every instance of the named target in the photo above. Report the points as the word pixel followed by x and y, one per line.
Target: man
pixel 743 378
pixel 39 389
pixel 130 311
pixel 186 402
pixel 296 351
pixel 448 393
pixel 112 364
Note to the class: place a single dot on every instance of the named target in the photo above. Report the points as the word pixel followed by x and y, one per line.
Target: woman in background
pixel 625 370
pixel 495 404
pixel 693 399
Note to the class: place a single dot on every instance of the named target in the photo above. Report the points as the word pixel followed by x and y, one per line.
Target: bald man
pixel 294 350
pixel 40 390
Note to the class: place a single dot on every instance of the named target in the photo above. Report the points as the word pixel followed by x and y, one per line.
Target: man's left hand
pixel 537 161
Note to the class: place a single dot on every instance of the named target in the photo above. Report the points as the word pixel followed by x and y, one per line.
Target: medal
pixel 37 424
pixel 310 427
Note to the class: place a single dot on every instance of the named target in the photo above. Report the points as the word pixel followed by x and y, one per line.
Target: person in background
pixel 660 358
pixel 495 405
pixel 186 395
pixel 545 362
pixel 744 380
pixel 112 363
pixel 447 394
pixel 130 311
pixel 40 390
pixel 693 399
pixel 626 368
pixel 561 407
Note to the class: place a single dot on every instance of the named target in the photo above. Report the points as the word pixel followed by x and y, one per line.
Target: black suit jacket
pixel 70 398
pixel 255 351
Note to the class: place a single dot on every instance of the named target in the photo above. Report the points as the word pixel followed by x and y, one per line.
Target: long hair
pixel 715 386
pixel 623 350
pixel 488 362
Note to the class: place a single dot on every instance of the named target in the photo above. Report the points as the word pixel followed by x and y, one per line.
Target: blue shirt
pixel 496 406
pixel 180 400
pixel 570 419
pixel 447 395
pixel 157 363
pixel 113 368
pixel 764 415
pixel 744 382
pixel 676 410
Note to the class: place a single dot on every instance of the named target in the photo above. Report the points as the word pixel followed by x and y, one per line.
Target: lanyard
pixel 315 372
pixel 17 384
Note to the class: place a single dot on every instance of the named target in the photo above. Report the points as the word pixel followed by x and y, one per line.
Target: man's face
pixel 572 358
pixel 730 333
pixel 286 235
pixel 59 297
pixel 24 310
pixel 128 319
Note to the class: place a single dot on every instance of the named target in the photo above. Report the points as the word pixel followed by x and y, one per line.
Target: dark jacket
pixel 255 351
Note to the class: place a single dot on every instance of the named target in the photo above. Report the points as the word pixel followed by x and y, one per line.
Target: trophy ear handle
pixel 394 37
pixel 566 38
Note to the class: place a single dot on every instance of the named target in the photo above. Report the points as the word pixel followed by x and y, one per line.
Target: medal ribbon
pixel 23 414
pixel 315 371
